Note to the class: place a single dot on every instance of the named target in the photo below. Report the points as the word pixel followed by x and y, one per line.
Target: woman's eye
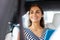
pixel 31 12
pixel 38 12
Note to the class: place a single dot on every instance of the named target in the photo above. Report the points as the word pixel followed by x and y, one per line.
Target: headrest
pixel 25 20
pixel 56 19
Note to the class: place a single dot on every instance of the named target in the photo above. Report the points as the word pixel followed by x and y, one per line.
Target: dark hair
pixel 42 19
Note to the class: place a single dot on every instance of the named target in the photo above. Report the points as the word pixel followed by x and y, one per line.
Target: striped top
pixel 29 35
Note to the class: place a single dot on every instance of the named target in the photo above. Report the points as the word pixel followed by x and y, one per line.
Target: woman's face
pixel 35 14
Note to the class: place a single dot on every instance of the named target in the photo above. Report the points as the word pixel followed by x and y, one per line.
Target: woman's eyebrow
pixel 31 10
pixel 38 10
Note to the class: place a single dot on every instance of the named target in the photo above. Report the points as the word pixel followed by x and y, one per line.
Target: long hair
pixel 42 19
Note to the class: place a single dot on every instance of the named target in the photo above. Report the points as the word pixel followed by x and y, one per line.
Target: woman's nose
pixel 34 13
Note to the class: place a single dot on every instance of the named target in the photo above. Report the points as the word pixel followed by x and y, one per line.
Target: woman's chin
pixel 35 21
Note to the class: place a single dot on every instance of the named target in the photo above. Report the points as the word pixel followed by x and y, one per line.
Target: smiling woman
pixel 35 17
pixel 36 29
pixel 36 13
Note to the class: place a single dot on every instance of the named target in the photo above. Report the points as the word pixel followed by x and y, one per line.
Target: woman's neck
pixel 36 26
pixel 36 29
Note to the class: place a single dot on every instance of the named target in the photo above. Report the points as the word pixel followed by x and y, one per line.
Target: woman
pixel 36 30
pixel 36 18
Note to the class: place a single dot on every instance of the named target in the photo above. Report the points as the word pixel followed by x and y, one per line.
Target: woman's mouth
pixel 34 18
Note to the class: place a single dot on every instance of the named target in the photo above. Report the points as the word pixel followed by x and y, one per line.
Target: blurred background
pixel 9 10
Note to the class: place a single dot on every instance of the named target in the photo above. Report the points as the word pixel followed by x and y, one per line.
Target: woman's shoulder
pixel 49 32
pixel 48 29
pixel 25 29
